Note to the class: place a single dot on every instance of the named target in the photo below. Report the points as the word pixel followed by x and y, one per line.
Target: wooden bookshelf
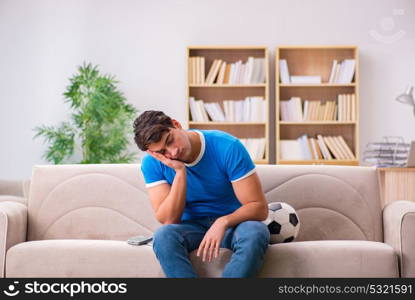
pixel 316 60
pixel 221 92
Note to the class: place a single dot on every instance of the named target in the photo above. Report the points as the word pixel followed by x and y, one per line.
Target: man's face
pixel 174 144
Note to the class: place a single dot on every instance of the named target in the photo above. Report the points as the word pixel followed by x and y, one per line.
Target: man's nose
pixel 171 153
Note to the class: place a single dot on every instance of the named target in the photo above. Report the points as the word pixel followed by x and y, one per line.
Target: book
pixel 284 73
pixel 324 150
pixel 290 150
pixel 305 79
pixel 213 71
pixel 333 71
pixel 346 147
pixel 221 74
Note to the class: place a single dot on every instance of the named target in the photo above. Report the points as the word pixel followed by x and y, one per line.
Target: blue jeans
pixel 172 244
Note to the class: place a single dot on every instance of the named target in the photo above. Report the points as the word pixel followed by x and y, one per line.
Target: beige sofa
pixel 79 216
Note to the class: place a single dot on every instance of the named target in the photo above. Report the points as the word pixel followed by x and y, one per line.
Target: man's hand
pixel 175 164
pixel 210 244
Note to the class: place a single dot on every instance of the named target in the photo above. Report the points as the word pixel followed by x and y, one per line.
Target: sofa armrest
pixel 13 228
pixel 398 231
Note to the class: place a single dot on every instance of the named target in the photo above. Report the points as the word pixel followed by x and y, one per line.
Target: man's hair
pixel 149 127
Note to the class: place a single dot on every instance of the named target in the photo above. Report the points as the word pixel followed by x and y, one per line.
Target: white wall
pixel 143 44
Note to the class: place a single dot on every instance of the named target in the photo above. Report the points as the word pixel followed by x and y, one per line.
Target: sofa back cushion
pixel 109 201
pixel 333 202
pixel 101 201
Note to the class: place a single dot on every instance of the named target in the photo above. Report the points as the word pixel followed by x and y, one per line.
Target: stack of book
pixel 347 107
pixel 316 148
pixel 250 72
pixel 293 110
pixel 251 109
pixel 386 154
pixel 196 70
pixel 342 72
pixel 255 147
pixel 221 72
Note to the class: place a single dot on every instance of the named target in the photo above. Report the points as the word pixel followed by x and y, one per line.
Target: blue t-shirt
pixel 222 160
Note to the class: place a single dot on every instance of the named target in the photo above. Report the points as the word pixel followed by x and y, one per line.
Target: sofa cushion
pixel 100 258
pixel 330 259
pixel 94 201
pixel 81 258
pixel 317 259
pixel 333 202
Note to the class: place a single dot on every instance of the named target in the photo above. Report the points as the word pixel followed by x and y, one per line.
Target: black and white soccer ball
pixel 283 222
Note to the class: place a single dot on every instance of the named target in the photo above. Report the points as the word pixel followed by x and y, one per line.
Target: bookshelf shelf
pixel 227 85
pixel 318 60
pixel 318 123
pixel 320 162
pixel 219 93
pixel 228 123
pixel 317 85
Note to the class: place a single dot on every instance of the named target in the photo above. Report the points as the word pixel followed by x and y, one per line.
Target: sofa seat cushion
pixel 81 258
pixel 316 259
pixel 105 258
pixel 330 259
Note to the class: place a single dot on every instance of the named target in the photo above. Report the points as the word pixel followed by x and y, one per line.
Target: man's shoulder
pixel 149 162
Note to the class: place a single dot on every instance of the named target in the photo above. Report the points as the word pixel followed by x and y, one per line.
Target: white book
pixel 348 71
pixel 210 112
pixel 247 110
pixel 194 112
pixel 254 109
pixel 261 77
pixel 284 110
pixel 306 110
pixel 261 148
pixel 290 150
pixel 232 73
pixel 304 147
pixel 337 73
pixel 305 79
pixel 227 110
pixel 219 112
pixel 333 71
pixel 249 70
pixel 257 109
pixel 297 109
pixel 241 74
pixel 200 106
pixel 239 110
pixel 284 74
pixel 238 68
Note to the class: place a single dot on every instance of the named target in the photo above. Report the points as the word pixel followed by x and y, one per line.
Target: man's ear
pixel 176 124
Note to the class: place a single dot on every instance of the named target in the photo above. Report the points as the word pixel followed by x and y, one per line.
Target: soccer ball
pixel 283 222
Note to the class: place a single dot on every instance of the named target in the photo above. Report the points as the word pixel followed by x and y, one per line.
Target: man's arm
pixel 254 205
pixel 169 201
pixel 254 208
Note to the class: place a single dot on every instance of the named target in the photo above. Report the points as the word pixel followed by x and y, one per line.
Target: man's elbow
pixel 167 221
pixel 263 211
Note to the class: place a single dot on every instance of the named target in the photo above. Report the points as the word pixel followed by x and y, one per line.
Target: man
pixel 204 189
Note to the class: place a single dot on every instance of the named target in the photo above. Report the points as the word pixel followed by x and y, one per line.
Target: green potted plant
pixel 100 122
